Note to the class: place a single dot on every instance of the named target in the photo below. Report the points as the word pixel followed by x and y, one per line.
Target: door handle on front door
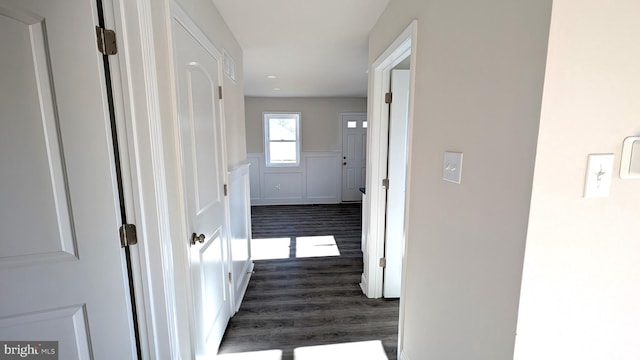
pixel 197 238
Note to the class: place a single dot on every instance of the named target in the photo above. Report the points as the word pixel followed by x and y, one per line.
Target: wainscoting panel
pixel 316 181
pixel 255 162
pixel 283 186
pixel 322 170
pixel 240 231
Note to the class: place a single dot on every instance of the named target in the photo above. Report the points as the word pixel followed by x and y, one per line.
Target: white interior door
pixel 397 175
pixel 354 152
pixel 197 66
pixel 62 273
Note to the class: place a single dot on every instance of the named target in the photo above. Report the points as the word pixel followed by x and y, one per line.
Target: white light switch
pixel 599 174
pixel 452 167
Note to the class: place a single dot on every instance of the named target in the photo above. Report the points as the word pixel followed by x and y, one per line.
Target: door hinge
pixel 226 190
pixel 220 92
pixel 128 235
pixel 383 262
pixel 388 97
pixel 230 277
pixel 385 183
pixel 107 44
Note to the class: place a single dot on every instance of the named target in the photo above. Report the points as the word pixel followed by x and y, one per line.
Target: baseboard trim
pixel 363 284
pixel 244 286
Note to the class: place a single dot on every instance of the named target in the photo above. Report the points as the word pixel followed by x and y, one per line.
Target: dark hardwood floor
pixel 297 302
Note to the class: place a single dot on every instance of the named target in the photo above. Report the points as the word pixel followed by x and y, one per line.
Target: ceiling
pixel 314 48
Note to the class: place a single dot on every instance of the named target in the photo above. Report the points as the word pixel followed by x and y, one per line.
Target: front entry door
pixel 197 65
pixel 62 272
pixel 354 153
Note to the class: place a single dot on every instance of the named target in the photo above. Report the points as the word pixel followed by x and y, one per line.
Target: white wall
pixel 581 280
pixel 318 179
pixel 478 85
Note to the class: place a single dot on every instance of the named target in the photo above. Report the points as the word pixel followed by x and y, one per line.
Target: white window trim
pixel 265 125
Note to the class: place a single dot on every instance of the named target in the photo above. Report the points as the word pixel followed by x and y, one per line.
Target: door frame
pixel 138 113
pixel 340 142
pixel 377 136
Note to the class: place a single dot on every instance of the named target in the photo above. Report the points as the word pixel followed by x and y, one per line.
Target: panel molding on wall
pixel 316 181
pixel 240 231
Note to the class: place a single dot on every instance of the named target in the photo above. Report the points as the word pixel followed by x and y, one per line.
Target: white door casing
pixel 354 152
pixel 397 175
pixel 63 276
pixel 380 76
pixel 197 75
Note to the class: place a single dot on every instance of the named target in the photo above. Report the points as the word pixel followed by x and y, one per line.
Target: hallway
pixel 305 291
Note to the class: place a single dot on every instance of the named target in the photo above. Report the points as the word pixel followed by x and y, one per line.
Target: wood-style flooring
pixel 298 302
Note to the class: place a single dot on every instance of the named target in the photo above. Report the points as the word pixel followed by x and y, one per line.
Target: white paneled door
pixel 354 152
pixel 197 66
pixel 62 273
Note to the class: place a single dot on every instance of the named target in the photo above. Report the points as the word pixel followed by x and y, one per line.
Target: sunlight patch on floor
pixel 315 246
pixel 370 350
pixel 252 355
pixel 294 247
pixel 270 249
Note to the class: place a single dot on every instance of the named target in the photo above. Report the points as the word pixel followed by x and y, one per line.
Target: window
pixel 282 139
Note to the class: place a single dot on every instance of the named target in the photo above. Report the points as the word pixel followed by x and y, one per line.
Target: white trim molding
pixel 375 211
pixel 377 137
pixel 142 154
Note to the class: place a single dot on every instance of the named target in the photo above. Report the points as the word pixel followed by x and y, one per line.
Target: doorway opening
pixel 388 170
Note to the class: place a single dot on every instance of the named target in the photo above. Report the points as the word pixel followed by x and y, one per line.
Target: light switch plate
pixel 452 167
pixel 599 174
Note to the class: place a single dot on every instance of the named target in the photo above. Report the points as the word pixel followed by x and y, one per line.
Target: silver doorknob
pixel 197 238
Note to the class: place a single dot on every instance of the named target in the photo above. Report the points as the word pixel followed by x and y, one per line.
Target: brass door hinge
pixel 107 44
pixel 226 190
pixel 128 235
pixel 383 262
pixel 230 277
pixel 220 92
pixel 388 97
pixel 385 183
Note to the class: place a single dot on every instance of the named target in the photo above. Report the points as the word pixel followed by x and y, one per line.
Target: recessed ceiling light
pixel 276 89
pixel 271 76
